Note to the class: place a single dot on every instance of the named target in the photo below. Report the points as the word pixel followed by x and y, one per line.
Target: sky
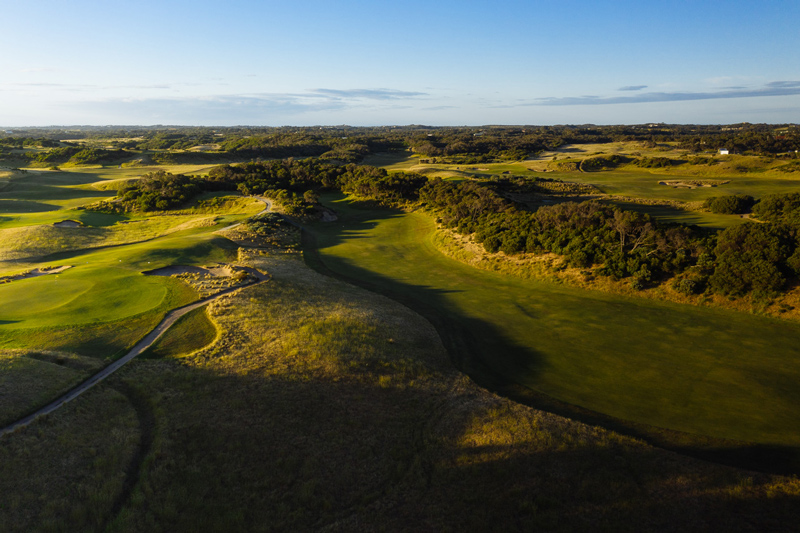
pixel 445 62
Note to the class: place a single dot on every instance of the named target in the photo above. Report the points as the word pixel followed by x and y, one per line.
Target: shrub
pixel 730 205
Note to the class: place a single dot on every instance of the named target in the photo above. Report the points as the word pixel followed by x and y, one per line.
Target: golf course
pixel 692 369
pixel 357 358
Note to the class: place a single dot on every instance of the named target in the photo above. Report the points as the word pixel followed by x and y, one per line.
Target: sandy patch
pixel 68 224
pixel 692 184
pixel 210 280
pixel 36 272
pixel 222 271
pixel 329 216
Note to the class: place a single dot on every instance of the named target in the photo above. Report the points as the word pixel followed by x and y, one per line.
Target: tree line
pixel 750 258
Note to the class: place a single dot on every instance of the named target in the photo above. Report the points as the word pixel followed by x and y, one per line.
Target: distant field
pixel 751 175
pixel 692 369
pixel 666 213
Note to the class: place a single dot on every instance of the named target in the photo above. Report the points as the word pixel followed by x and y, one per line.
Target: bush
pixel 730 205
pixel 688 286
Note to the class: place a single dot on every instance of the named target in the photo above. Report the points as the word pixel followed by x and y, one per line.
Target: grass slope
pixel 190 333
pixel 323 407
pixel 697 370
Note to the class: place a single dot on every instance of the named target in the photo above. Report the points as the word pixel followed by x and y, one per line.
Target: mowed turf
pixel 697 370
pixel 104 303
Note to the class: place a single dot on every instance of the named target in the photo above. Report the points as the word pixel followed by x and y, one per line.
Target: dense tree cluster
pixel 624 242
pixel 755 258
pixel 779 208
pixel 733 204
pixel 751 258
pixel 160 191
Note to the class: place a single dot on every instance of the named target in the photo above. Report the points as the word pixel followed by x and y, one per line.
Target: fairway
pixel 697 370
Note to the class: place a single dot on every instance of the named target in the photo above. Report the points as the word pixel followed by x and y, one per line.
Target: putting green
pixel 75 297
pixel 697 370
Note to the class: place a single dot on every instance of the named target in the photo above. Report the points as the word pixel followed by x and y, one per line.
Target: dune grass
pixel 324 407
pixel 66 473
pixel 697 370
pixel 29 379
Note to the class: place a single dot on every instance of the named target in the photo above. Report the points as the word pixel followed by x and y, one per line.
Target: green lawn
pixel 697 370
pixel 644 184
pixel 191 332
pixel 104 303
pixel 666 213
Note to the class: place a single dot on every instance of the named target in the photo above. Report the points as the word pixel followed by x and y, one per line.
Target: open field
pixel 696 370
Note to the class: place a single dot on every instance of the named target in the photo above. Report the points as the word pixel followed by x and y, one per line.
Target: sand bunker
pixel 68 224
pixel 222 271
pixel 692 184
pixel 36 272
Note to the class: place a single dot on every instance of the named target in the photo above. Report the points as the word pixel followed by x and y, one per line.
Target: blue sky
pixel 371 63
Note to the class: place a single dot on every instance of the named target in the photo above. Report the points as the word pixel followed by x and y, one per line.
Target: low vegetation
pixel 322 406
pixel 306 403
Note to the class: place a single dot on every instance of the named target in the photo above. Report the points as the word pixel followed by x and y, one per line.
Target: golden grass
pixel 324 407
pixel 32 242
pixel 30 379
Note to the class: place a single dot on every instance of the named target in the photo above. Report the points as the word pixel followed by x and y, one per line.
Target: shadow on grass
pixel 485 354
pixel 471 343
pixel 301 454
pixel 253 438
pixel 26 206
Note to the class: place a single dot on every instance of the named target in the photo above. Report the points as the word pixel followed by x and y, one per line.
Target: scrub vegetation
pixel 542 303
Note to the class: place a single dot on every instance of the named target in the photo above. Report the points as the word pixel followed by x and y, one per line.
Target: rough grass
pixel 323 407
pixel 64 473
pixel 29 380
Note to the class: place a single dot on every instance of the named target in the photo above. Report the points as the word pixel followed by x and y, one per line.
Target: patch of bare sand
pixel 692 184
pixel 35 273
pixel 68 224
pixel 176 270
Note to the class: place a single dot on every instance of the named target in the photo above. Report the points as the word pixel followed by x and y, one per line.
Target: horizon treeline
pixel 456 145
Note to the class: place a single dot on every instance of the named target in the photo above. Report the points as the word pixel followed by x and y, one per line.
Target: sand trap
pixel 222 271
pixel 329 216
pixel 36 272
pixel 68 224
pixel 692 184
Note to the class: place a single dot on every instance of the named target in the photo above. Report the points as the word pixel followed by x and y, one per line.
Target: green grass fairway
pixel 104 303
pixel 666 213
pixel 190 333
pixel 697 370
pixel 644 184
